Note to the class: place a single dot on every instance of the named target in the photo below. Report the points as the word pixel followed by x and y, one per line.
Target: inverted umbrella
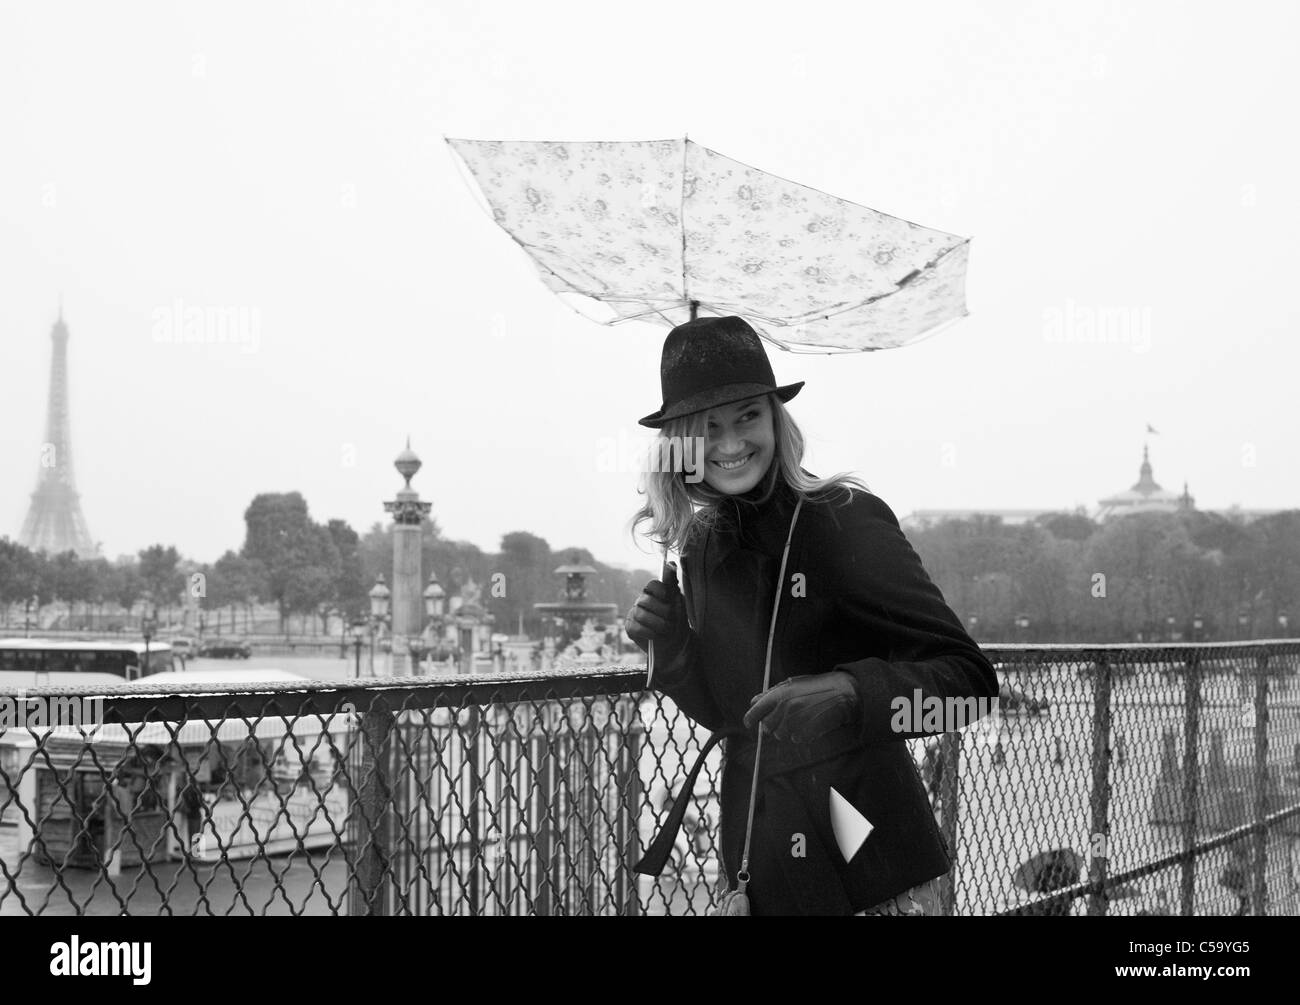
pixel 665 230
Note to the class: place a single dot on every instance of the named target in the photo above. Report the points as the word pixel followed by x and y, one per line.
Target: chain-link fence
pixel 1111 779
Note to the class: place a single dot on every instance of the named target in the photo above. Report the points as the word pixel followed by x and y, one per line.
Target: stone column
pixel 408 582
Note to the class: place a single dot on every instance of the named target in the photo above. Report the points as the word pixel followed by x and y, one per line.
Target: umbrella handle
pixel 650 648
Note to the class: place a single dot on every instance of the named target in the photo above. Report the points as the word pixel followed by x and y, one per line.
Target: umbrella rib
pixel 681 219
pixel 904 283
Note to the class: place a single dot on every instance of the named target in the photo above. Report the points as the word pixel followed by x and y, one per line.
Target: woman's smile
pixel 734 465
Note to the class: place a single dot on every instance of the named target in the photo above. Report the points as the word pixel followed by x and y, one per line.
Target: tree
pixel 280 534
pixel 125 585
pixel 1068 526
pixel 312 585
pixel 1275 559
pixel 19 573
pixel 234 582
pixel 353 589
pixel 1043 577
pixel 69 581
pixel 527 567
pixel 99 579
pixel 160 574
pixel 1135 555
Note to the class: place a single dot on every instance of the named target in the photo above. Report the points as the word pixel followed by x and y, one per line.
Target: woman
pixel 860 629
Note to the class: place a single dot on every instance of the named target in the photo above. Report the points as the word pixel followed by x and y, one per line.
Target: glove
pixel 659 614
pixel 804 709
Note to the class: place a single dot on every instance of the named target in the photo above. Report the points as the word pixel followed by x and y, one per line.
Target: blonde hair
pixel 673 505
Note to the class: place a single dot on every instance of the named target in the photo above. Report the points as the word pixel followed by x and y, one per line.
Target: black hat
pixel 713 361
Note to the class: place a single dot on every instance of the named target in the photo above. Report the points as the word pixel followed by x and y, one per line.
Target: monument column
pixel 407 597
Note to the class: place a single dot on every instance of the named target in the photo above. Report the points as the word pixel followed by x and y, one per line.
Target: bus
pixel 28 663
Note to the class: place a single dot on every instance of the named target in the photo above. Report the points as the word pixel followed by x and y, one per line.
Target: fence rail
pixel 1113 779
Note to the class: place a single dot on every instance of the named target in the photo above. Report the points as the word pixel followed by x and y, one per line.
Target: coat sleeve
pixel 681 677
pixel 886 598
pixel 683 681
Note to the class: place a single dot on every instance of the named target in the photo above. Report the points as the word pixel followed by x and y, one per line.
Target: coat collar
pixel 742 523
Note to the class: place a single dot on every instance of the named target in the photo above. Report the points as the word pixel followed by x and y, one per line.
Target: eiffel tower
pixel 54 522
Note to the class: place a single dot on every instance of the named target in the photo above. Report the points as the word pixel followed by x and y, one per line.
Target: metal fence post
pixel 1191 780
pixel 1260 894
pixel 369 890
pixel 543 856
pixel 472 809
pixel 629 787
pixel 1100 795
pixel 949 796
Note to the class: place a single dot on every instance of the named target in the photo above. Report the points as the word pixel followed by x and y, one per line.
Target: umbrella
pixel 663 231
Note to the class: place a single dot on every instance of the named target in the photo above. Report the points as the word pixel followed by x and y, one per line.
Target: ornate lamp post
pixel 435 598
pixel 358 633
pixel 379 597
pixel 147 624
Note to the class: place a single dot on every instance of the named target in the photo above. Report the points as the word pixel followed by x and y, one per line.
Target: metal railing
pixel 1113 780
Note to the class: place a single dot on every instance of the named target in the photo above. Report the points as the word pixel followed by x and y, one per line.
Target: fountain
pixel 578 615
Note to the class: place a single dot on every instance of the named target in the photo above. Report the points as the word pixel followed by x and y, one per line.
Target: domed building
pixel 1145 496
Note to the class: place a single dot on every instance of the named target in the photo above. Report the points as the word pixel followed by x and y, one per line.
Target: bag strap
pixel 742 877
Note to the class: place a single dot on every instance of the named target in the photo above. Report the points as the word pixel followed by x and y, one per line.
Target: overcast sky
pixel 288 159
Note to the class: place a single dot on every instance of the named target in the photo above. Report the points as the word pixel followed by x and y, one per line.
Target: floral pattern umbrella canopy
pixel 647 230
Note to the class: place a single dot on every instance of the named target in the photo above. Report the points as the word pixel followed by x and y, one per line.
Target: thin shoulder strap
pixel 742 877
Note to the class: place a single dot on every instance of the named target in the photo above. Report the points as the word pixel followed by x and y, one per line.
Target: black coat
pixel 859 601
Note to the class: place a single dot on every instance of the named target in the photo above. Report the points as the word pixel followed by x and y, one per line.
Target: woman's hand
pixel 659 614
pixel 804 709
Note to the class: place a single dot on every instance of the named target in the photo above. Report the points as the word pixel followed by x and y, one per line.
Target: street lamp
pixel 974 625
pixel 1281 624
pixel 434 597
pixel 1197 625
pixel 358 633
pixel 434 600
pixel 1243 620
pixel 1022 622
pixel 1169 626
pixel 27 615
pixel 379 595
pixel 146 629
